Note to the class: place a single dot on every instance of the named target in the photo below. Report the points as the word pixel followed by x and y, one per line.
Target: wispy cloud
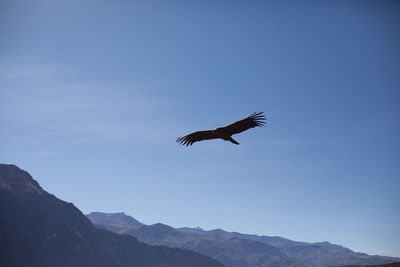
pixel 77 112
pixel 10 70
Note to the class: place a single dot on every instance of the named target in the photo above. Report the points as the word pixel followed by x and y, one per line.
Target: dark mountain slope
pixel 38 229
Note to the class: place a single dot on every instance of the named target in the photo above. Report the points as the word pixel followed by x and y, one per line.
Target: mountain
pixel 113 220
pixel 230 251
pixel 318 254
pixel 38 229
pixel 242 250
pixel 394 264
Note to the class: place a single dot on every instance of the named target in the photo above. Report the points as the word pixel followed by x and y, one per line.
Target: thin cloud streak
pixel 80 113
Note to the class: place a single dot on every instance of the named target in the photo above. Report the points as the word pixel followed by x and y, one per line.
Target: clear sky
pixel 94 93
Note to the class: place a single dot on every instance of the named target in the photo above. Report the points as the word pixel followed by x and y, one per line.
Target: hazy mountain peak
pixel 162 228
pixel 192 230
pixel 341 248
pixel 119 218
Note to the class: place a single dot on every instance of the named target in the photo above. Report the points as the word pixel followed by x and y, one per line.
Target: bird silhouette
pixel 225 133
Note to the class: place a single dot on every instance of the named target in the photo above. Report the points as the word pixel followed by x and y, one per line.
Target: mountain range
pixel 235 249
pixel 39 230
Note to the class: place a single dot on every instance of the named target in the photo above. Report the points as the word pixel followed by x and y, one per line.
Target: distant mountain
pixel 230 251
pixel 318 254
pixel 39 230
pixel 242 250
pixel 394 264
pixel 113 219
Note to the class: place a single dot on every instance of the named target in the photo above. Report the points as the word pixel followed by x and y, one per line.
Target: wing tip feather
pixel 184 141
pixel 258 119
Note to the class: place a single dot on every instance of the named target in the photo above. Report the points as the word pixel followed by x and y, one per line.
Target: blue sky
pixel 94 93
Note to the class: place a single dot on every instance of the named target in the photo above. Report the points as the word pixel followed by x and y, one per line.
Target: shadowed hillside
pixel 38 230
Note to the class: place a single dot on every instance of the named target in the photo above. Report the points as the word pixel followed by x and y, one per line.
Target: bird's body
pixel 224 133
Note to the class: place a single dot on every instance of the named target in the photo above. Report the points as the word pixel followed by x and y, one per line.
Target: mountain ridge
pixel 291 253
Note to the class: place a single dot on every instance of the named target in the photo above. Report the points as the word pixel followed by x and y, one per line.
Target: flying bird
pixel 225 133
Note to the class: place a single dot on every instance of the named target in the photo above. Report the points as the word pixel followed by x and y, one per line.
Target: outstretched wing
pixel 189 139
pixel 254 120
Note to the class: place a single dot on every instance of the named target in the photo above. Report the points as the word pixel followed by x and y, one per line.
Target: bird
pixel 226 132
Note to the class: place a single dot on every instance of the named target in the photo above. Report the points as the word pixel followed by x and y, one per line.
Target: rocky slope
pixel 38 229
